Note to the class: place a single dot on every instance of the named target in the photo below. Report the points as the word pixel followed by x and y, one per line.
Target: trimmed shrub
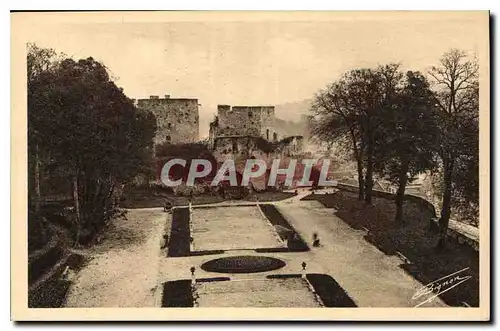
pixel 294 241
pixel 213 279
pixel 177 293
pixel 179 243
pixel 330 292
pixel 283 276
pixel 210 252
pixel 243 264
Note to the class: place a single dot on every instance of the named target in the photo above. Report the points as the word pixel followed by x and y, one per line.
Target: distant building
pixel 239 125
pixel 255 121
pixel 177 120
pixel 239 133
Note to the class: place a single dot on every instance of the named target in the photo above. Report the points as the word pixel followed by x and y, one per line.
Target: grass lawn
pixel 232 228
pixel 291 292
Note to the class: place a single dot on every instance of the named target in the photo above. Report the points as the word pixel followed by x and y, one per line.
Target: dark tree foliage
pixel 39 60
pixel 406 138
pixel 90 131
pixel 397 126
pixel 350 110
pixel 457 98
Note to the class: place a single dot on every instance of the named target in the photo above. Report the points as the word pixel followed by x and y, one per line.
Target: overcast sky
pixel 257 62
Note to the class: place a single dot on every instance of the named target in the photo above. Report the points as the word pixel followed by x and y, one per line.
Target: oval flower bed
pixel 243 264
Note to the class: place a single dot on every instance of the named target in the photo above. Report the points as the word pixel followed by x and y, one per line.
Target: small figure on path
pixel 167 206
pixel 316 242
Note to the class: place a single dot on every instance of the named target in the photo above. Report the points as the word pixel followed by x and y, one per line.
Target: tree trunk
pixel 444 220
pixel 76 201
pixel 38 194
pixel 369 175
pixel 400 194
pixel 37 180
pixel 361 181
pixel 358 154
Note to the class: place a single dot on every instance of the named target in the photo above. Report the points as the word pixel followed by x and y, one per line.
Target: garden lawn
pixel 291 292
pixel 229 228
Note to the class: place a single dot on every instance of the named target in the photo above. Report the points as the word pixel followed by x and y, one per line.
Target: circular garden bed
pixel 243 264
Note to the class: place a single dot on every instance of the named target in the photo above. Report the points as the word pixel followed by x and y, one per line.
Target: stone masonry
pixel 253 121
pixel 177 120
pixel 244 121
pixel 242 132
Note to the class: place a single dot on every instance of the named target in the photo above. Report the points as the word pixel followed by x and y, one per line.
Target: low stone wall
pixel 423 203
pixel 50 290
pixel 47 286
pixel 454 230
pixel 40 261
pixel 386 195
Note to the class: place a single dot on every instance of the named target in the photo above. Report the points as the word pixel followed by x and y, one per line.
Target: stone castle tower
pixel 177 120
pixel 241 131
pixel 256 121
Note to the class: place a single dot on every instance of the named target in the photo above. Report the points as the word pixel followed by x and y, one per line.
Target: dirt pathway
pixel 370 277
pixel 127 266
pixel 123 269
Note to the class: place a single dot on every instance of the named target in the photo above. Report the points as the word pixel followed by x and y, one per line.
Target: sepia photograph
pixel 323 165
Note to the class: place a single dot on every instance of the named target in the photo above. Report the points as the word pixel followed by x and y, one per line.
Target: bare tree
pixel 352 107
pixel 336 120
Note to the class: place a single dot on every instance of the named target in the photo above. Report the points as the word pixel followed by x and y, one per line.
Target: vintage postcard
pixel 250 166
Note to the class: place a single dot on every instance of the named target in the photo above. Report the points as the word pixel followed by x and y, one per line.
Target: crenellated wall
pixel 241 131
pixel 243 120
pixel 177 120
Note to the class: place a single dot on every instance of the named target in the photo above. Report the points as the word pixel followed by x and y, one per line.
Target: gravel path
pixel 123 269
pixel 371 278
